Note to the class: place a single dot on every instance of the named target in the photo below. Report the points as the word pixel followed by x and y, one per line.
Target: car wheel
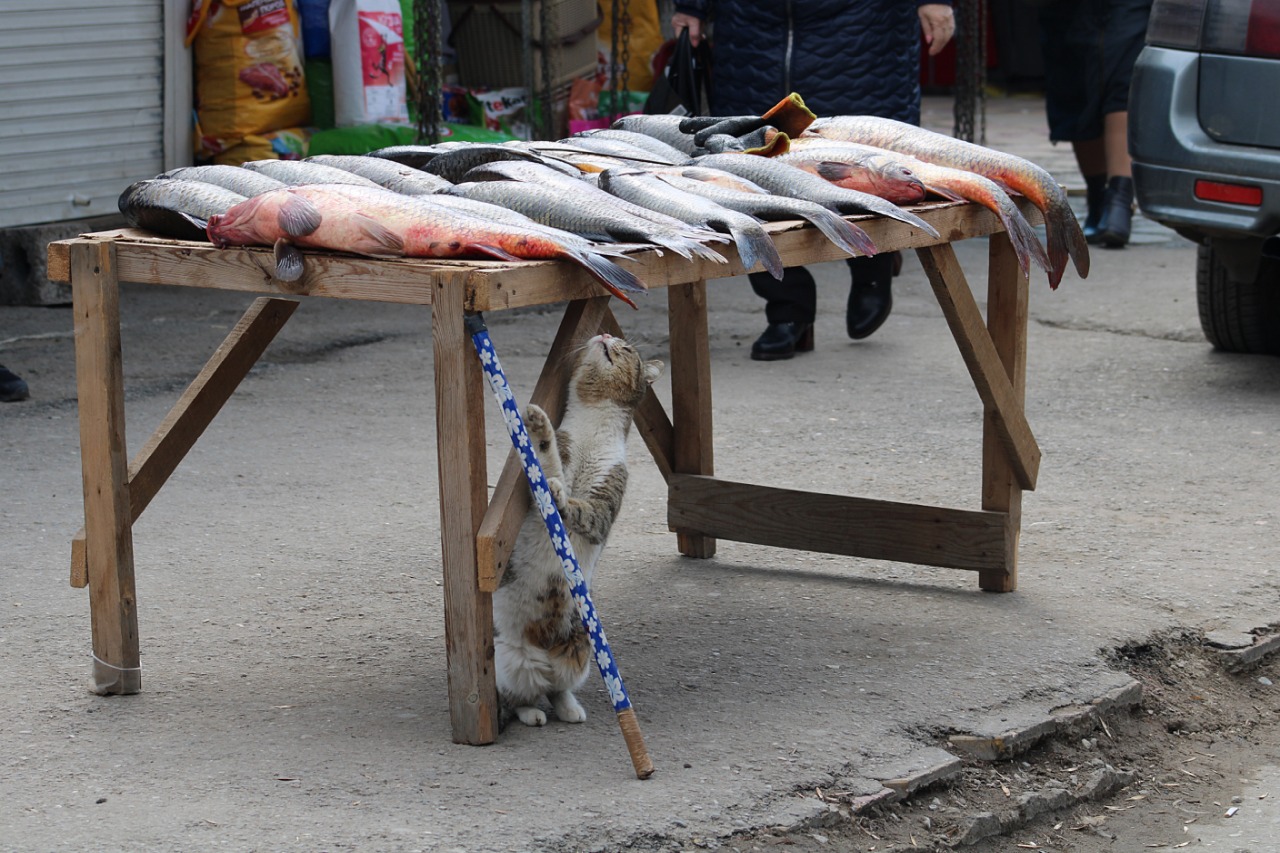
pixel 1238 315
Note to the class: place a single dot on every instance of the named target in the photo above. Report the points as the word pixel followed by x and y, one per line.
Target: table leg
pixel 691 395
pixel 460 448
pixel 105 469
pixel 1007 298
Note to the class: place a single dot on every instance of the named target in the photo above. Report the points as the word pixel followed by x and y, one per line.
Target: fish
pixel 298 173
pixel 175 207
pixel 376 222
pixel 586 214
pixel 396 177
pixel 719 177
pixel 1062 231
pixel 651 144
pixel 497 213
pixel 753 242
pixel 243 181
pixel 576 186
pixel 453 165
pixel 701 181
pixel 782 179
pixel 414 156
pixel 624 150
pixel 663 127
pixel 865 169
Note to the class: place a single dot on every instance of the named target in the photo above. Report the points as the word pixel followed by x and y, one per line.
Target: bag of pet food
pixel 367 47
pixel 248 70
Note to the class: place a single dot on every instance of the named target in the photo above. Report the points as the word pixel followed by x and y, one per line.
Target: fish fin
pixel 493 251
pixel 615 279
pixel 841 231
pixel 1065 240
pixel 755 246
pixel 834 171
pixel 937 189
pixel 201 225
pixel 1025 243
pixel 298 217
pixel 289 263
pixel 387 243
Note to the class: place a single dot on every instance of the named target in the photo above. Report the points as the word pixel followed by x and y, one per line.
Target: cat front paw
pixel 568 708
pixel 539 427
pixel 531 716
pixel 559 492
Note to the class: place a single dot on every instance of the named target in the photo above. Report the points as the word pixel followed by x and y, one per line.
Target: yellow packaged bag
pixel 248 71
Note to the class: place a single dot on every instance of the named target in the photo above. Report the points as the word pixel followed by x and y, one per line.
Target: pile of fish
pixel 592 199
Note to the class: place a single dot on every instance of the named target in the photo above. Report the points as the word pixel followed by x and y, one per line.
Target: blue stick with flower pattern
pixel 560 541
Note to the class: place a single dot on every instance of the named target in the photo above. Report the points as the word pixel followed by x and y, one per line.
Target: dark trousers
pixel 794 299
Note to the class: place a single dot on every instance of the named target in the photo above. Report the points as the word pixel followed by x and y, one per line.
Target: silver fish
pixel 297 173
pixel 175 207
pixel 651 144
pixel 663 127
pixel 243 181
pixel 396 177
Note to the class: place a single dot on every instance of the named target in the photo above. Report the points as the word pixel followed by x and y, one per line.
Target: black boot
pixel 1117 216
pixel 1096 197
pixel 12 386
pixel 870 294
pixel 782 340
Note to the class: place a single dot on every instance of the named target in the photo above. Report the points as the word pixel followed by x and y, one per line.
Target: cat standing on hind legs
pixel 541 648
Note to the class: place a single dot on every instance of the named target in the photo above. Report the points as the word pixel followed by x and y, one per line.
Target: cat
pixel 541 648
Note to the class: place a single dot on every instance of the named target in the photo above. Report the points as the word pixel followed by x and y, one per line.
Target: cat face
pixel 609 370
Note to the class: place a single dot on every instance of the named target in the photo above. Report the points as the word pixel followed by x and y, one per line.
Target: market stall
pixel 477 531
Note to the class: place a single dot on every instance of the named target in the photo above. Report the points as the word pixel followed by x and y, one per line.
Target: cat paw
pixel 539 427
pixel 568 708
pixel 558 492
pixel 531 716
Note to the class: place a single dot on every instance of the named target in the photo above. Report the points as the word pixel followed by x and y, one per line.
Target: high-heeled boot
pixel 1117 216
pixel 1095 187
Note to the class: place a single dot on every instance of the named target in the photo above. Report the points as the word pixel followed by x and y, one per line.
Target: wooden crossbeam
pixel 194 411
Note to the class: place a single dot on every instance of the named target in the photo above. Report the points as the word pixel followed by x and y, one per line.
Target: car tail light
pixel 1243 27
pixel 1229 193
pixel 1239 27
pixel 1176 23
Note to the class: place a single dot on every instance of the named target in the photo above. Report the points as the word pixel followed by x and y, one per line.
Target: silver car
pixel 1204 133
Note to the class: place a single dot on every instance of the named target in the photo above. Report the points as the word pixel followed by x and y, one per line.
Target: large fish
pixel 729 192
pixel 396 177
pixel 585 214
pixel 243 181
pixel 576 187
pixel 753 242
pixel 867 170
pixel 379 223
pixel 454 164
pixel 830 157
pixel 175 207
pixel 625 150
pixel 782 179
pixel 414 156
pixel 297 173
pixel 1063 232
pixel 663 127
pixel 651 144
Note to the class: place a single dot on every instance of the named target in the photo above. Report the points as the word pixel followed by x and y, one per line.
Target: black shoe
pixel 782 340
pixel 1096 198
pixel 1117 217
pixel 869 305
pixel 12 387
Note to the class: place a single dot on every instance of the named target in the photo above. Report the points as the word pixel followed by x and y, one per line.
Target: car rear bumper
pixel 1171 151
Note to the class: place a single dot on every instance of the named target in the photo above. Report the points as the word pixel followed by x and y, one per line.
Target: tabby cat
pixel 542 649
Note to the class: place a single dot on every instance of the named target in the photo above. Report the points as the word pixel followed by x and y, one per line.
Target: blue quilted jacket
pixel 844 57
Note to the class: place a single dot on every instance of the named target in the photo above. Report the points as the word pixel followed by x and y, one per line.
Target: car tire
pixel 1238 316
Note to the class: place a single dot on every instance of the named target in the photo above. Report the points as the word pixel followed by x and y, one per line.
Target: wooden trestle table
pixel 477 531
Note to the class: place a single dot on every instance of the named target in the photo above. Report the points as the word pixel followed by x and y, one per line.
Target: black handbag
pixel 680 88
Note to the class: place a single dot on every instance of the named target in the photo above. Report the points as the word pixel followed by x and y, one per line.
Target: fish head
pixel 244 224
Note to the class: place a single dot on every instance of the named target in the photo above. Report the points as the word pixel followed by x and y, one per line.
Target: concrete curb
pixel 1239 650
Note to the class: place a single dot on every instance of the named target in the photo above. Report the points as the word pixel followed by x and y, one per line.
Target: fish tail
pixel 707 253
pixel 615 279
pixel 1065 240
pixel 841 231
pixel 756 246
pixel 911 219
pixel 679 245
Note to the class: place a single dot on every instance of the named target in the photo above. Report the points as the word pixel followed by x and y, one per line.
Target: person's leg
pixel 1117 217
pixel 1091 158
pixel 870 293
pixel 790 307
pixel 12 386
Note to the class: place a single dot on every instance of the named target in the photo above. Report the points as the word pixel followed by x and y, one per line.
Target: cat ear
pixel 652 370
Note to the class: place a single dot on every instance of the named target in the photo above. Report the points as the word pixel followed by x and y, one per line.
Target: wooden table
pixel 477 531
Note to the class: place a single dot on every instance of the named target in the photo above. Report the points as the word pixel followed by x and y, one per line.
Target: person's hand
pixel 680 21
pixel 937 24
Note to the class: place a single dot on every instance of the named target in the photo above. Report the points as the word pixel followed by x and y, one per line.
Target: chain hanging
pixel 428 47
pixel 971 72
pixel 547 32
pixel 619 54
